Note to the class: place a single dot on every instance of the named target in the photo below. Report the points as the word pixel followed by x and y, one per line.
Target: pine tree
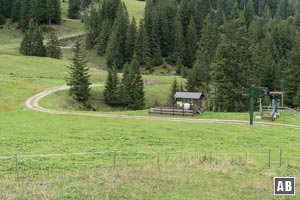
pixel 93 24
pixel 52 48
pixel 157 59
pixel 130 40
pixel 174 88
pixel 136 96
pixel 199 77
pixel 190 44
pixel 53 11
pixel 116 48
pixel 79 78
pixel 125 86
pixel 103 38
pixel 291 81
pixel 179 47
pixel 39 10
pixel 32 43
pixel 111 91
pixel 25 13
pixel 74 8
pixel 249 12
pixel 142 46
pixel 38 48
pixel 231 66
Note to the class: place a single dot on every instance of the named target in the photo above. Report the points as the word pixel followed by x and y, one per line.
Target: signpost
pixel 253 91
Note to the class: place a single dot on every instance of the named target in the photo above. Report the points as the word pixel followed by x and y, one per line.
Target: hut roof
pixel 187 95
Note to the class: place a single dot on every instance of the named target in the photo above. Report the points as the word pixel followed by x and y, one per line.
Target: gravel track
pixel 33 103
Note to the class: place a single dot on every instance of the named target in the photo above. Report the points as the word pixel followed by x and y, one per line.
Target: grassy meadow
pixel 46 156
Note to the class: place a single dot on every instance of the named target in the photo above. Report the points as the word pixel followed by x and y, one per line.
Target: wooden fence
pixel 171 111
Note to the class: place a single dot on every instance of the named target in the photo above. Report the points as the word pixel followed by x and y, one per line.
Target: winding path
pixel 33 103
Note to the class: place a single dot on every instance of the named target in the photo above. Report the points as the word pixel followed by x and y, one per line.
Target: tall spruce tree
pixel 231 67
pixel 130 40
pixel 179 46
pixel 74 8
pixel 111 91
pixel 116 48
pixel 103 38
pixel 38 48
pixel 32 43
pixel 199 78
pixel 78 79
pixel 26 44
pixel 93 24
pixel 125 86
pixel 191 41
pixel 52 48
pixel 142 46
pixel 136 94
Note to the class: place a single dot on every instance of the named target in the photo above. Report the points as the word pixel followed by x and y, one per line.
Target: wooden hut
pixel 189 101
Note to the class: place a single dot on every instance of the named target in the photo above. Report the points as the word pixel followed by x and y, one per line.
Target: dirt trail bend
pixel 33 103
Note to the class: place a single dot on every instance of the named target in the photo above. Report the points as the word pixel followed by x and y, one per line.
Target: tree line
pixel 33 43
pixel 219 46
pixel 22 11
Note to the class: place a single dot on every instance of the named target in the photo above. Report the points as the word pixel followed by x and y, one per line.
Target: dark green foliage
pixel 179 47
pixel 53 14
pixel 125 86
pixel 32 43
pixel 142 47
pixel 249 12
pixel 130 92
pixel 93 28
pixel 199 78
pixel 157 59
pixel 103 38
pixel 40 11
pixel 52 47
pixel 2 20
pixel 130 40
pixel 116 48
pixel 38 48
pixel 174 88
pixel 74 8
pixel 191 44
pixel 111 93
pixel 136 94
pixel 231 66
pixel 78 79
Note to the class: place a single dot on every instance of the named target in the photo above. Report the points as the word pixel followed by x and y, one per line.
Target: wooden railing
pixel 171 111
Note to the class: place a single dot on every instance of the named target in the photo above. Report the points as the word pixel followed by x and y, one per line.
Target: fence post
pixel 280 158
pixel 160 110
pixel 269 158
pixel 16 167
pixel 115 157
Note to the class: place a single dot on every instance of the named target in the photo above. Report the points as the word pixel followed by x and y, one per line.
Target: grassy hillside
pixel 184 158
pixel 45 156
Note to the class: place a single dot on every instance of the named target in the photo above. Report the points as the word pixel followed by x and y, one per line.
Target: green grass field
pixel 173 154
pixel 46 156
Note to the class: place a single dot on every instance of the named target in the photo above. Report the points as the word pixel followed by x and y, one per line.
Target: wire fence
pixel 23 165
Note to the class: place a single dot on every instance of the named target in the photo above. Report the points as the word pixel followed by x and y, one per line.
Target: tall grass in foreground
pixel 190 178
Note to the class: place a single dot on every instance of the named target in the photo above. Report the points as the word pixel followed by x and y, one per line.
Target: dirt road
pixel 33 103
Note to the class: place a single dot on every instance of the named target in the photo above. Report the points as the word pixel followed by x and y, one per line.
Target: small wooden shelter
pixel 189 101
